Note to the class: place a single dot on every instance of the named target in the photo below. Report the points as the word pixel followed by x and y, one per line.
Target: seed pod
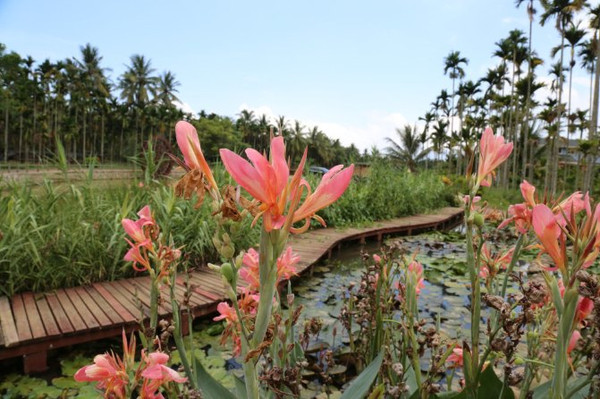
pixel 478 219
pixel 227 272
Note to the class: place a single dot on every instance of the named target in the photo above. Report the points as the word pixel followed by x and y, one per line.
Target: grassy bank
pixel 67 235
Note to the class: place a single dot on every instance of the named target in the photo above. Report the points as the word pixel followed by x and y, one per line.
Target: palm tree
pixel 407 150
pixel 530 13
pixel 95 91
pixel 138 86
pixel 452 64
pixel 592 135
pixel 563 11
pixel 165 96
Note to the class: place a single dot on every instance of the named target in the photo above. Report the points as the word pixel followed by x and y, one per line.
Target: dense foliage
pixel 67 235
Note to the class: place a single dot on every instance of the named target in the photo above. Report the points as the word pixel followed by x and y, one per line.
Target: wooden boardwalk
pixel 33 323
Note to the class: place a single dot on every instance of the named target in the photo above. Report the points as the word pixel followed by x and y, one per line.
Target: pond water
pixel 444 297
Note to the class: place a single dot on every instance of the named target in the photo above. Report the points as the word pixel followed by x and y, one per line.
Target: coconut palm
pixel 408 149
pixel 138 87
pixel 562 11
pixel 452 67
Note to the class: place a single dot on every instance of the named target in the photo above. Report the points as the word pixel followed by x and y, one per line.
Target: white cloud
pixel 371 131
pixel 185 107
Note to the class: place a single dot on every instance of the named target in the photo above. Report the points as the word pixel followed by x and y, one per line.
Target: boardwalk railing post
pixel 35 362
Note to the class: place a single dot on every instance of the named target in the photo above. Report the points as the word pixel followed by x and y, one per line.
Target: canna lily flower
pixel 456 358
pixel 110 373
pixel 331 187
pixel 135 229
pixel 573 341
pixel 189 144
pixel 491 264
pixel 268 182
pixel 550 234
pixel 226 313
pixel 415 270
pixel 583 310
pixel 156 373
pixel 286 267
pixel 265 181
pixel 376 258
pixel 492 152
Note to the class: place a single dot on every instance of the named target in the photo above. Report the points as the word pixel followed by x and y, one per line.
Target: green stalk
pixel 153 312
pixel 512 264
pixel 558 389
pixel 250 377
pixel 268 252
pixel 472 375
pixel 178 337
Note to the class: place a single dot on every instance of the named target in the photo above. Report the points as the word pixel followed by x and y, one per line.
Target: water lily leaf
pixel 361 384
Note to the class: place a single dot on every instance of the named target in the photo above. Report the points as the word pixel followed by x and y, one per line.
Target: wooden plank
pixel 74 317
pixel 128 291
pixel 94 309
pixel 88 318
pixel 47 317
pixel 64 324
pixel 106 300
pixel 35 322
pixel 142 309
pixel 142 287
pixel 7 322
pixel 125 301
pixel 18 307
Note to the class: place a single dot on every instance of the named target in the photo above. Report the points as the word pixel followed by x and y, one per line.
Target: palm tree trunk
pixel 102 136
pixel 6 131
pixel 554 160
pixel 591 159
pixel 527 104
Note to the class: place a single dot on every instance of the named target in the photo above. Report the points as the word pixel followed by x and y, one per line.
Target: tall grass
pixel 388 193
pixel 66 235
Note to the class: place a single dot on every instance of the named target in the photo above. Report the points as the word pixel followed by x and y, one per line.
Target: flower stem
pixel 558 388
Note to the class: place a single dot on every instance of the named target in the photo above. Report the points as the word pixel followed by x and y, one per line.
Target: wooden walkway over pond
pixel 33 323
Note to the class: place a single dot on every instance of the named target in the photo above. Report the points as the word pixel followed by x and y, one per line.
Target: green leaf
pixel 543 391
pixel 490 386
pixel 240 387
pixel 211 388
pixel 361 384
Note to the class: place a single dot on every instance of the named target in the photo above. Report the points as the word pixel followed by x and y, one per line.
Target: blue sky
pixel 356 69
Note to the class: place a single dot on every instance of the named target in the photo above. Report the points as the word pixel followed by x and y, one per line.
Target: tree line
pixel 75 103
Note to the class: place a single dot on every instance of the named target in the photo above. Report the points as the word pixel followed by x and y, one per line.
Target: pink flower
pixel 492 152
pixel 416 271
pixel 268 181
pixel 135 229
pixel 332 186
pixel 227 313
pixel 286 267
pixel 550 234
pixel 573 341
pixel 157 373
pixel 491 264
pixel 110 373
pixel 456 358
pixel 584 308
pixel 528 192
pixel 377 258
pixel 140 231
pixel 189 144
